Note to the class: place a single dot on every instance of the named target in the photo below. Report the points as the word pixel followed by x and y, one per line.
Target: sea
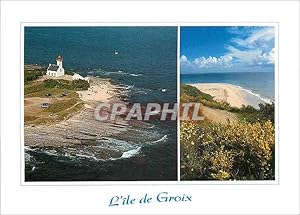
pixel 144 60
pixel 260 84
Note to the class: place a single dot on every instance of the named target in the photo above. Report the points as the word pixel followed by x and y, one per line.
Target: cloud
pixel 249 46
pixel 202 62
pixel 257 47
pixel 205 63
pixel 224 61
pixel 183 59
pixel 256 38
pixel 251 56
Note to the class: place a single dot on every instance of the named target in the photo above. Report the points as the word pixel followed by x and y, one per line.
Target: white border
pixel 178 182
pixel 281 199
pixel 178 103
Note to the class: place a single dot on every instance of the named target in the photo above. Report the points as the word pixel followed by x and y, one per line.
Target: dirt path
pixel 218 116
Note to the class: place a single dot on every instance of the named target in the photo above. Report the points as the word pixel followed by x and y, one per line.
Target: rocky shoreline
pixel 83 131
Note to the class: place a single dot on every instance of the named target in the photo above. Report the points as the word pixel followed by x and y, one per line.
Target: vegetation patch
pixel 61 95
pixel 246 113
pixel 32 73
pixel 244 150
pixel 65 84
pixel 240 151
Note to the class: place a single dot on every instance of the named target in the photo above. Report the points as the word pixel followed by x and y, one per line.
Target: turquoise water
pixel 261 84
pixel 146 63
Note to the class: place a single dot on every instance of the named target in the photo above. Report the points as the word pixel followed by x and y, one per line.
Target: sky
pixel 210 49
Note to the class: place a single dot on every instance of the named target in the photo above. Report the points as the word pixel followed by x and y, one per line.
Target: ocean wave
pixel 266 100
pixel 28 157
pixel 129 90
pixel 73 153
pixel 51 152
pixel 140 90
pixel 123 149
pixel 129 154
pixel 114 144
pixel 135 75
pixel 27 148
pixel 128 73
pixel 165 137
pixel 87 156
pixel 128 87
pixel 119 72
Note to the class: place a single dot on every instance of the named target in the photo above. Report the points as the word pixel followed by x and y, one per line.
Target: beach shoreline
pixel 235 95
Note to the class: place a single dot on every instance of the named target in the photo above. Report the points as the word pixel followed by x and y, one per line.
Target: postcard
pixel 149 107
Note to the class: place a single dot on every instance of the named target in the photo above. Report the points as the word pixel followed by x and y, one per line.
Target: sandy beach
pixel 232 94
pixel 100 90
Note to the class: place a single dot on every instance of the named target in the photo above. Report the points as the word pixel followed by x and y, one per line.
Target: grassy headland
pixel 60 94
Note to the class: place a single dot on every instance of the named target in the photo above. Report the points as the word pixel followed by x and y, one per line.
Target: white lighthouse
pixel 56 70
pixel 59 60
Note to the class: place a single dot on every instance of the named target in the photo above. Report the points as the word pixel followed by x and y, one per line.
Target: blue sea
pixel 144 59
pixel 262 84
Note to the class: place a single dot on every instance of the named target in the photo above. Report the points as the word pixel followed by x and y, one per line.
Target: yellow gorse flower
pixel 228 152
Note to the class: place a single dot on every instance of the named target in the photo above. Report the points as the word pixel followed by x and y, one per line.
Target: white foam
pixel 51 152
pixel 128 154
pixel 114 144
pixel 268 101
pixel 28 157
pixel 128 87
pixel 121 72
pixel 86 156
pixel 27 148
pixel 135 75
pixel 161 139
pixel 131 153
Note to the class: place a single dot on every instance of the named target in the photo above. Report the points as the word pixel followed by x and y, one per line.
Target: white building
pixel 56 69
pixel 79 77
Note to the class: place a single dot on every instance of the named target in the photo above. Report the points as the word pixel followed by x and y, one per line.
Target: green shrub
pixel 31 75
pixel 65 84
pixel 240 151
pixel 268 111
pixel 250 114
pixel 80 85
pixel 194 92
pixel 50 83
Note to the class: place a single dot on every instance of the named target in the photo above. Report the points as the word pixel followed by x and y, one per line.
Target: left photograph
pixel 98 103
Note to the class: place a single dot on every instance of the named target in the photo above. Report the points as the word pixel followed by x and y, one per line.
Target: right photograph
pixel 227 73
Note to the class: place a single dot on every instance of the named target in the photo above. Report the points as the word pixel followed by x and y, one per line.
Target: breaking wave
pixel 129 154
pixel 165 137
pixel 266 100
pixel 119 72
